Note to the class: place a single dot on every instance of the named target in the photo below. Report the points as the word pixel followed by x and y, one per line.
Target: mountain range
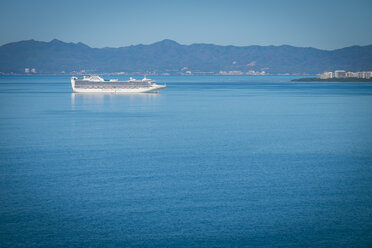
pixel 168 56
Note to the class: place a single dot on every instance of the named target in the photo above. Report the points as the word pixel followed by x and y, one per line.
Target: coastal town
pixel 345 74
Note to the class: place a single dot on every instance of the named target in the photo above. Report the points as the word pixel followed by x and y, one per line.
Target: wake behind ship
pixel 96 84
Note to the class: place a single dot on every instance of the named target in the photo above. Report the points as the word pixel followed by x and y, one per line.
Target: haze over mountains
pixel 168 56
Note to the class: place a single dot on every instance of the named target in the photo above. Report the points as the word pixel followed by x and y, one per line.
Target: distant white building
pixel 350 74
pixel 33 70
pixel 231 73
pixel 365 74
pixel 326 75
pixel 27 70
pixel 340 74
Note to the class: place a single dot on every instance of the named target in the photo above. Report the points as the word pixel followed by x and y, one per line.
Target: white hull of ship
pixel 119 90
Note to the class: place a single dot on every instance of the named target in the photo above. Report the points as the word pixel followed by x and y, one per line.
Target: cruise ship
pixel 96 84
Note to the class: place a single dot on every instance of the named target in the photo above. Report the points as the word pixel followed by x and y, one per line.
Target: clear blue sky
pixel 322 24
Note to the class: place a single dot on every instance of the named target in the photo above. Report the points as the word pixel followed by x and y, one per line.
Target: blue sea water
pixel 211 161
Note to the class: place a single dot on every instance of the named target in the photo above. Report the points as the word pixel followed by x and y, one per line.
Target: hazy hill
pixel 169 56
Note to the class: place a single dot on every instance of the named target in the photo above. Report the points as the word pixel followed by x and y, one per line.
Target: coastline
pixel 331 80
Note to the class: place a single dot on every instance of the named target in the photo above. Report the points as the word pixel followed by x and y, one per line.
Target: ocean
pixel 210 161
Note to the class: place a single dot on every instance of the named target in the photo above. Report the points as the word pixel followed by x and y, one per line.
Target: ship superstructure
pixel 96 84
